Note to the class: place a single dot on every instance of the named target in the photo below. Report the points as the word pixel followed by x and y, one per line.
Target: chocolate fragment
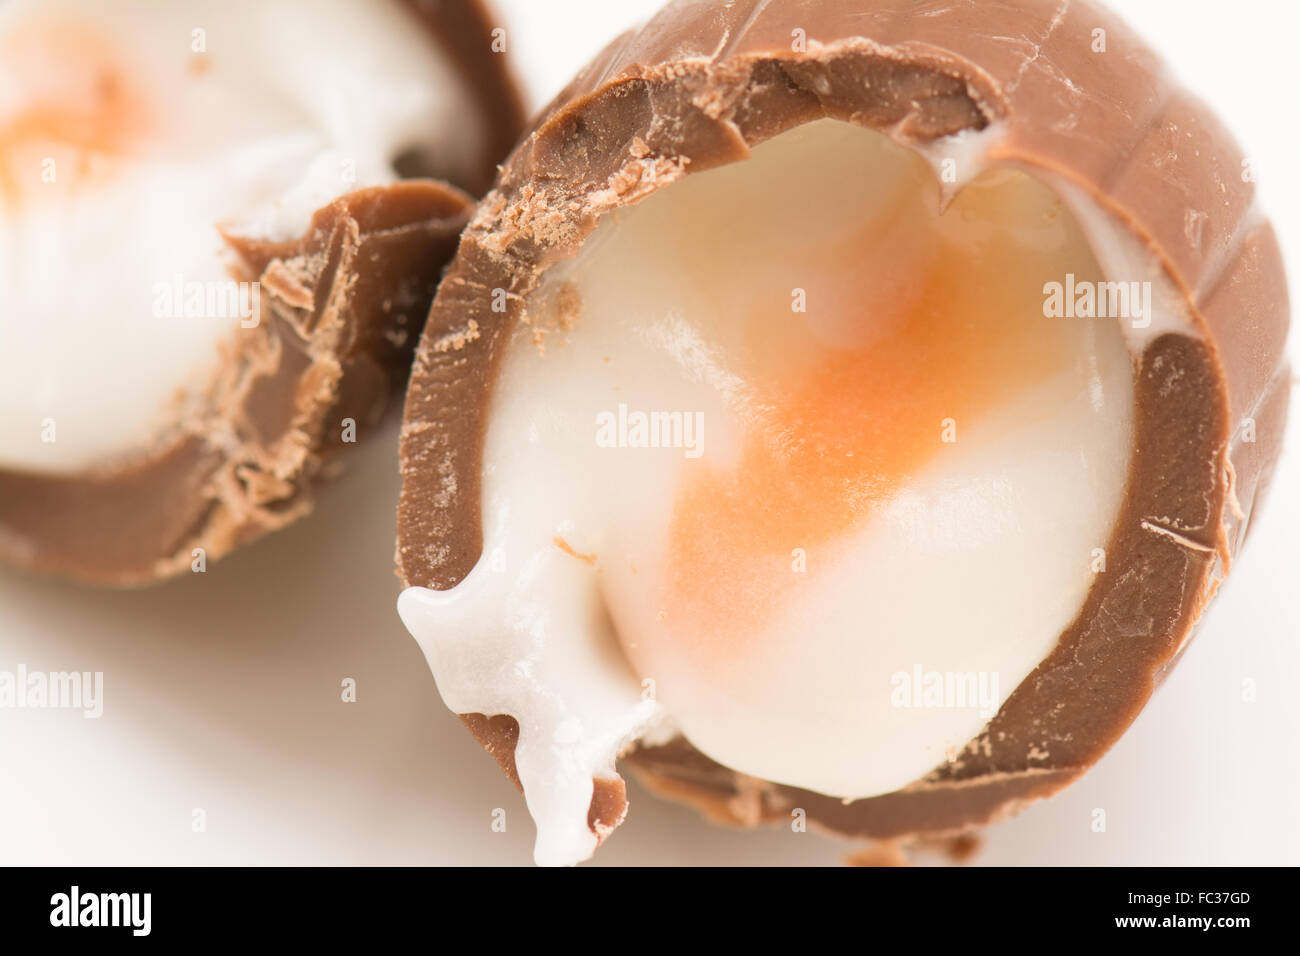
pixel 701 85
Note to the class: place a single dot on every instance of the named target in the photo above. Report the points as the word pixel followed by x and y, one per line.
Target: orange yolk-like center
pixel 958 330
pixel 67 103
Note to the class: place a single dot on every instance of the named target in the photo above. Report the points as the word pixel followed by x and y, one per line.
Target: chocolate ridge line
pixel 697 87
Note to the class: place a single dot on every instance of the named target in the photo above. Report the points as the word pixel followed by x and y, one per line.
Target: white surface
pixel 222 690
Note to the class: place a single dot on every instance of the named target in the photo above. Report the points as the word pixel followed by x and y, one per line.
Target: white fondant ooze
pixel 579 619
pixel 129 131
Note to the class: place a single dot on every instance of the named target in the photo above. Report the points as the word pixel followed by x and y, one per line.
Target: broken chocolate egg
pixel 839 409
pixel 222 225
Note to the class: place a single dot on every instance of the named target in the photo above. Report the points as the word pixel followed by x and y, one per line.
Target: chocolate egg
pixel 839 408
pixel 224 224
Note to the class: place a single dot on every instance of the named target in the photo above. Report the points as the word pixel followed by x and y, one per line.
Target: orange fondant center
pixel 958 331
pixel 68 103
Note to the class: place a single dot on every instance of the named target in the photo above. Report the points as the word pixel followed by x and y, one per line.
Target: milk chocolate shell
pixel 341 308
pixel 704 83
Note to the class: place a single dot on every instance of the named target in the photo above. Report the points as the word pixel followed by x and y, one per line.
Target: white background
pixel 222 690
